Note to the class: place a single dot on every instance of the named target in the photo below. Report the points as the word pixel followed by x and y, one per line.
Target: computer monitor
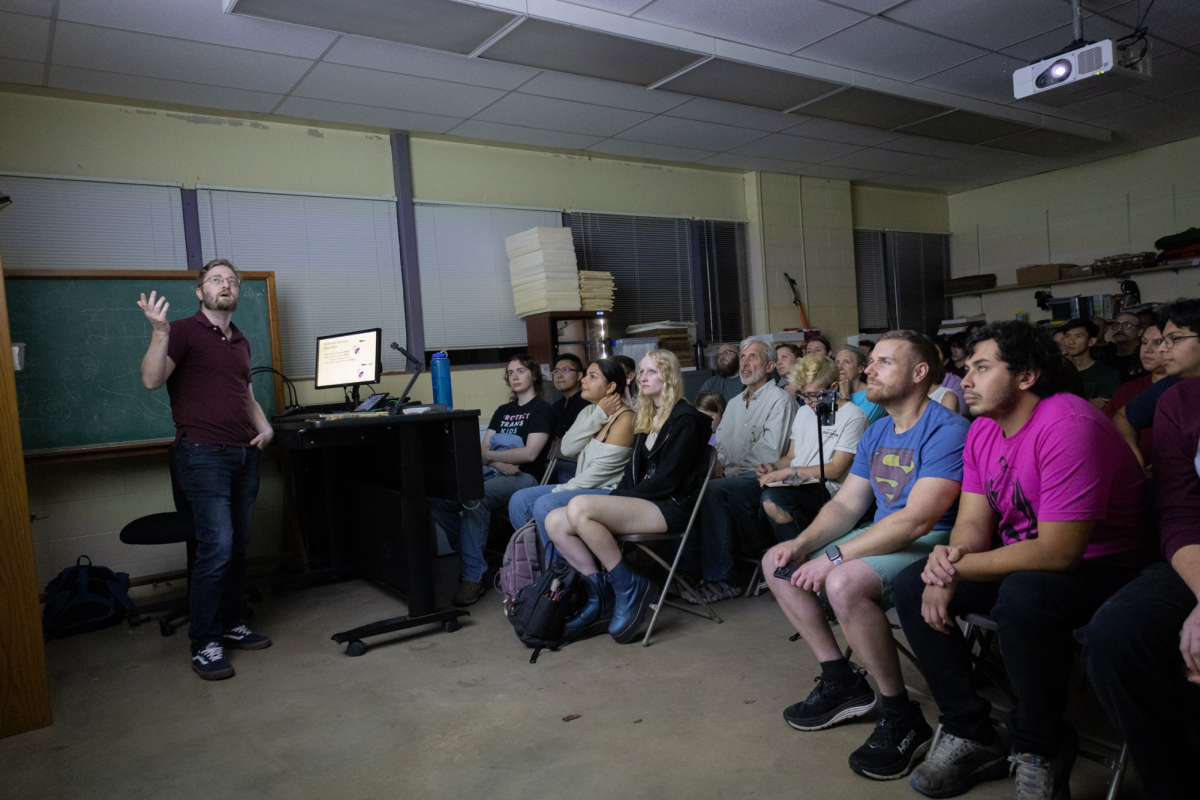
pixel 349 359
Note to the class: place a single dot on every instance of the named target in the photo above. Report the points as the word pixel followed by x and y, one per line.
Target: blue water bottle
pixel 439 368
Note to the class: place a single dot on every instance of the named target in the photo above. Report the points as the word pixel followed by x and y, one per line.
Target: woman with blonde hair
pixel 656 495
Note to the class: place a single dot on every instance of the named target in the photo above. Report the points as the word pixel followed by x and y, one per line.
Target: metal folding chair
pixel 640 539
pixel 551 463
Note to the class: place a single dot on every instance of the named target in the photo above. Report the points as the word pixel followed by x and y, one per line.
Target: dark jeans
pixel 729 515
pixel 1131 653
pixel 803 502
pixel 221 484
pixel 1035 614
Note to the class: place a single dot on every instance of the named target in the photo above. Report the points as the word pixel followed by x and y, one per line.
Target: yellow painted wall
pixel 877 208
pixel 1075 215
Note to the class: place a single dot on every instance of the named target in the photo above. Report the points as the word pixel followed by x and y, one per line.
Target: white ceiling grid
pixel 948 53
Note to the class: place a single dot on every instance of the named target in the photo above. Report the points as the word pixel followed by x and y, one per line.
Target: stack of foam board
pixel 673 336
pixel 541 263
pixel 595 291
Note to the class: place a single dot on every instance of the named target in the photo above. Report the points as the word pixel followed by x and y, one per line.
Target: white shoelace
pixel 949 748
pixel 213 652
pixel 1034 777
pixel 240 630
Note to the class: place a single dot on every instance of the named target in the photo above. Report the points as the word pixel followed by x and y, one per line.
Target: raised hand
pixel 156 311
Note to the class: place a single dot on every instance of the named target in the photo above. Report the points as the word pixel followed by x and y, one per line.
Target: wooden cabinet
pixel 584 333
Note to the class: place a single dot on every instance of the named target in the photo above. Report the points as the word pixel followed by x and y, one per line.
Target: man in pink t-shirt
pixel 1053 519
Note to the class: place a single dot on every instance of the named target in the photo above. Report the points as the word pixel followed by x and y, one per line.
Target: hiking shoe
pixel 242 638
pixel 896 744
pixel 468 592
pixel 209 662
pixel 954 765
pixel 829 704
pixel 1041 778
pixel 714 592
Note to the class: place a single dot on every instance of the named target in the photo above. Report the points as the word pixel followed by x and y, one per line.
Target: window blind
pixel 336 262
pixel 723 273
pixel 870 281
pixel 649 258
pixel 72 223
pixel 901 280
pixel 466 289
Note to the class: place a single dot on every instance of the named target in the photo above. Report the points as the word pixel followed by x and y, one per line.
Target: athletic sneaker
pixel 468 592
pixel 894 747
pixel 209 662
pixel 1041 778
pixel 954 765
pixel 829 704
pixel 714 592
pixel 242 638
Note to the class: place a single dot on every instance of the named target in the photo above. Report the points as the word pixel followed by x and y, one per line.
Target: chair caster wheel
pixel 451 625
pixel 166 628
pixel 355 648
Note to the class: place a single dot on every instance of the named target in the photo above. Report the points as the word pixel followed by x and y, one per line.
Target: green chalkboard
pixel 84 338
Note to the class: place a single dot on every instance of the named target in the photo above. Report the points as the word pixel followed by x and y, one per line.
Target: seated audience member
pixel 818 346
pixel 949 379
pixel 1100 381
pixel 725 380
pixel 1059 339
pixel 1142 648
pixel 1180 354
pixel 711 404
pixel 791 508
pixel 940 394
pixel 865 346
pixel 1147 317
pixel 786 356
pixel 1124 353
pixel 528 416
pixel 911 465
pixel 1141 442
pixel 630 368
pixel 656 495
pixel 1052 521
pixel 754 430
pixel 600 439
pixel 958 355
pixel 852 383
pixel 568 374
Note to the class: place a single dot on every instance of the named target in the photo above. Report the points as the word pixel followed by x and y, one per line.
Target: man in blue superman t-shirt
pixel 910 464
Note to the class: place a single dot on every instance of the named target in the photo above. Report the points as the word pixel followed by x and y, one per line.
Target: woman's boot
pixel 634 594
pixel 597 608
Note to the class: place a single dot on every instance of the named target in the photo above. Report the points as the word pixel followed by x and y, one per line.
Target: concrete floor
pixel 437 715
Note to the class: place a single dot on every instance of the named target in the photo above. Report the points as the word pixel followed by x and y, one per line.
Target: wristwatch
pixel 834 553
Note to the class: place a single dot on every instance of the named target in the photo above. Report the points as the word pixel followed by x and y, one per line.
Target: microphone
pixel 413 359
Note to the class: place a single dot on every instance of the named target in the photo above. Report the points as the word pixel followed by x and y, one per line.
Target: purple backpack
pixel 524 562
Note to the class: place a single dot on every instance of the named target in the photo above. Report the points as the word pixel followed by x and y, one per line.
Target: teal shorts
pixel 888 566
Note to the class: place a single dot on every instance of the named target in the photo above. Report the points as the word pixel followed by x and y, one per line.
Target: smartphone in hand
pixel 785 572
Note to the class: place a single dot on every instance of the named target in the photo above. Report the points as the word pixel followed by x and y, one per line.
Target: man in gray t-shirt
pixel 726 381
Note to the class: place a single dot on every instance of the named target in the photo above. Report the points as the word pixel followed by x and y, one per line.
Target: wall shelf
pixel 1012 287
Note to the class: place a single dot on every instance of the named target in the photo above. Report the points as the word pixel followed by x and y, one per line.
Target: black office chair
pixel 170 528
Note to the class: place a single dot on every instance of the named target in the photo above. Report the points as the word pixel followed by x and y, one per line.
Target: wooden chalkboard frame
pixel 159 445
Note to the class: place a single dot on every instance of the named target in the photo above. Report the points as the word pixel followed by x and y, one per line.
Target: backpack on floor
pixel 541 609
pixel 85 598
pixel 524 562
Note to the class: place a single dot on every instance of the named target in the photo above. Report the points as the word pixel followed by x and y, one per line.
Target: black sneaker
pixel 895 746
pixel 242 638
pixel 209 662
pixel 468 593
pixel 829 704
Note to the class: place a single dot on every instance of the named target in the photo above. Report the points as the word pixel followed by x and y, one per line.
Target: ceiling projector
pixel 1086 71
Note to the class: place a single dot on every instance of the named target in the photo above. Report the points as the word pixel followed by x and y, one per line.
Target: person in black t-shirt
pixel 568 374
pixel 526 416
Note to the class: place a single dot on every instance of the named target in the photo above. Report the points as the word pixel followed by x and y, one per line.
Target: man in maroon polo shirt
pixel 219 430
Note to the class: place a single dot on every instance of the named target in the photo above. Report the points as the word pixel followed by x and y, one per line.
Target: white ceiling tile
pixel 881 160
pixel 601 92
pixel 910 182
pixel 884 48
pixel 1177 21
pixel 928 147
pixel 689 133
pixel 1101 104
pixel 783 25
pixel 370 87
pixel 985 23
pixel 615 6
pixel 1039 47
pixel 845 132
pixel 754 163
pixel 795 148
pixel 870 6
pixel 1150 118
pixel 952 170
pixel 659 152
pixel 163 91
pixel 38 8
pixel 308 108
pixel 706 110
pixel 14 71
pixel 494 131
pixel 198 21
pixel 358 51
pixel 986 78
pixel 840 173
pixel 561 115
pixel 89 47
pixel 1174 73
pixel 24 37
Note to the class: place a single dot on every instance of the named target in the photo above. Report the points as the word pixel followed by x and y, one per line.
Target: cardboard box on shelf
pixel 1039 273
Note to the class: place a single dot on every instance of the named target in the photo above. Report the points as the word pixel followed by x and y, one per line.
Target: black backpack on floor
pixel 85 598
pixel 540 612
